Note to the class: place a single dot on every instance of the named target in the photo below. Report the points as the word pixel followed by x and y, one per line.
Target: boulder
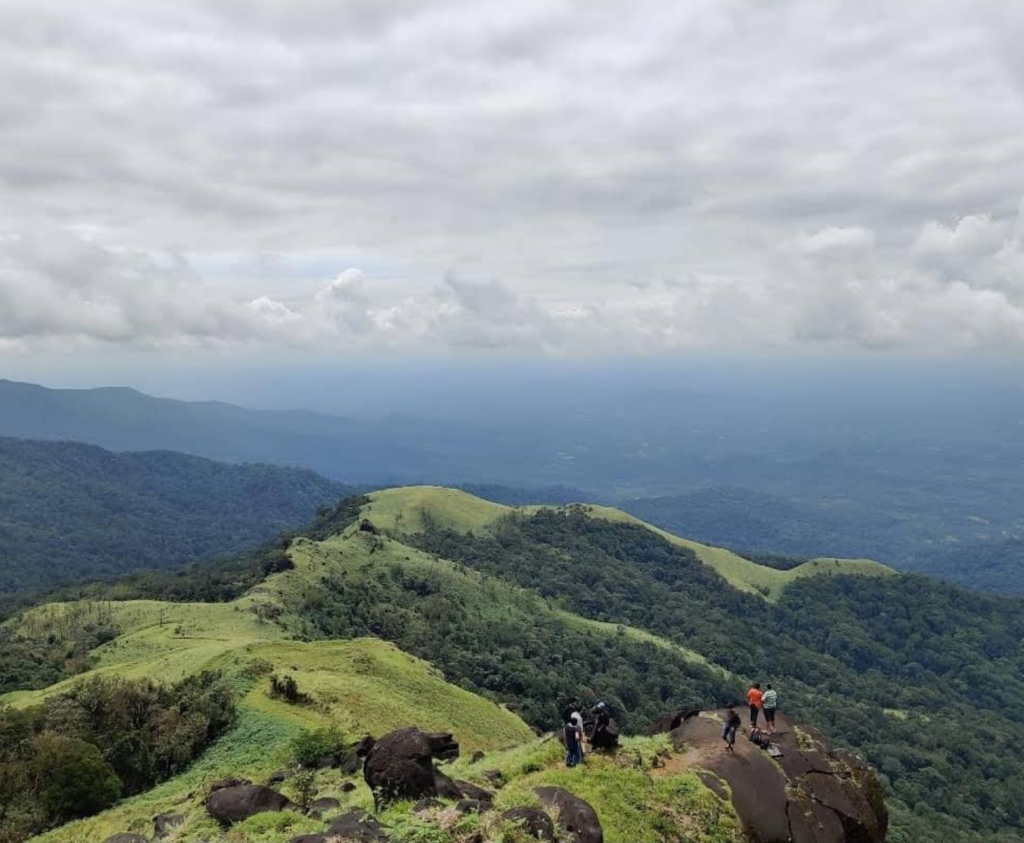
pixel 477 756
pixel 362 747
pixel 401 764
pixel 576 818
pixel 325 803
pixel 473 806
pixel 348 787
pixel 443 745
pixel 534 823
pixel 230 805
pixel 357 827
pixel 225 783
pixel 427 804
pixel 277 778
pixel 309 838
pixel 495 777
pixel 445 787
pixel 471 791
pixel 350 766
pixel 126 837
pixel 163 823
pixel 809 794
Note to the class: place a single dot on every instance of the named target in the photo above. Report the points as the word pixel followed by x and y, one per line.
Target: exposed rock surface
pixel 534 823
pixel 126 837
pixel 575 817
pixel 356 827
pixel 230 805
pixel 401 765
pixel 810 794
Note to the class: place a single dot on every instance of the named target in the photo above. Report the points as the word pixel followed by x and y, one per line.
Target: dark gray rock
pixel 325 803
pixel 533 822
pixel 277 778
pixel 471 791
pixel 473 806
pixel 230 805
pixel 476 757
pixel 357 827
pixel 401 764
pixel 348 787
pixel 446 788
pixel 576 818
pixel 163 823
pixel 126 837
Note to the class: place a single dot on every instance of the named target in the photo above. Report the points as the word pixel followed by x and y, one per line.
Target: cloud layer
pixel 568 177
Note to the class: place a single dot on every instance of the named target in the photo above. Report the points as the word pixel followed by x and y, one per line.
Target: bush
pixel 287 689
pixel 310 747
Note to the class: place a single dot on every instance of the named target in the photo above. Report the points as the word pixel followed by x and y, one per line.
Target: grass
pixel 633 806
pixel 408 510
pixel 363 686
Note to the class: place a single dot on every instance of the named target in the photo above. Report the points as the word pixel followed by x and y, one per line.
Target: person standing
pixel 769 703
pixel 573 740
pixel 732 724
pixel 754 698
pixel 576 718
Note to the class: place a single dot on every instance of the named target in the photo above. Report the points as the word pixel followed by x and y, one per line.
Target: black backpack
pixel 759 738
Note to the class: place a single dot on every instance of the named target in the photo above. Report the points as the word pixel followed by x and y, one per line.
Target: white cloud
pixel 722 173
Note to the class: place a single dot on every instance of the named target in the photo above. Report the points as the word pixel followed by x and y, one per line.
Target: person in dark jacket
pixel 732 724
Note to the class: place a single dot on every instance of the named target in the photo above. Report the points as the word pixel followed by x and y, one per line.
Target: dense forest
pixel 109 737
pixel 70 512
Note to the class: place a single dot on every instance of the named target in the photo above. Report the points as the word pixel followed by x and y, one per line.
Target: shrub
pixel 311 746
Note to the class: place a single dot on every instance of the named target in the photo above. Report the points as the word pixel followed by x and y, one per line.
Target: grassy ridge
pixel 410 509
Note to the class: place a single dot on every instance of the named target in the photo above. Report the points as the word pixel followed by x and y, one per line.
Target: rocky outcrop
pixel 229 805
pixel 808 794
pixel 576 818
pixel 401 764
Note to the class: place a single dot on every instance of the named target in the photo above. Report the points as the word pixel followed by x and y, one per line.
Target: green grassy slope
pixel 362 685
pixel 409 509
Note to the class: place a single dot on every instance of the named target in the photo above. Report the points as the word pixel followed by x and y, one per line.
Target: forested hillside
pixel 71 512
pixel 529 606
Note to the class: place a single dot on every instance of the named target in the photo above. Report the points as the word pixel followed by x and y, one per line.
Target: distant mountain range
pixel 390 449
pixel 951 511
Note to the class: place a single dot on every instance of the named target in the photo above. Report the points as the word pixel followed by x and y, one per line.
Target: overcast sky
pixel 227 177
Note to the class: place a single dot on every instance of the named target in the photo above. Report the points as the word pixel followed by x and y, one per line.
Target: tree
pixel 70 779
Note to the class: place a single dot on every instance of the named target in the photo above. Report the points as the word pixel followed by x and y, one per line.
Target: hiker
pixel 769 702
pixel 732 724
pixel 754 697
pixel 573 744
pixel 601 720
pixel 577 720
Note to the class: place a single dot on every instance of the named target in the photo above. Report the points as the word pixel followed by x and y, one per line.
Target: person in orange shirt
pixel 754 697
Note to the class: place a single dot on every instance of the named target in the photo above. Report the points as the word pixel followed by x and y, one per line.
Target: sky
pixel 205 181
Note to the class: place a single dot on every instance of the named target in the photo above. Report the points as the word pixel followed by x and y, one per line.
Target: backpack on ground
pixel 759 738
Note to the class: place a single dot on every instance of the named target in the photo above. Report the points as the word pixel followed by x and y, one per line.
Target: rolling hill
pixel 70 512
pixel 427 605
pixel 411 509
